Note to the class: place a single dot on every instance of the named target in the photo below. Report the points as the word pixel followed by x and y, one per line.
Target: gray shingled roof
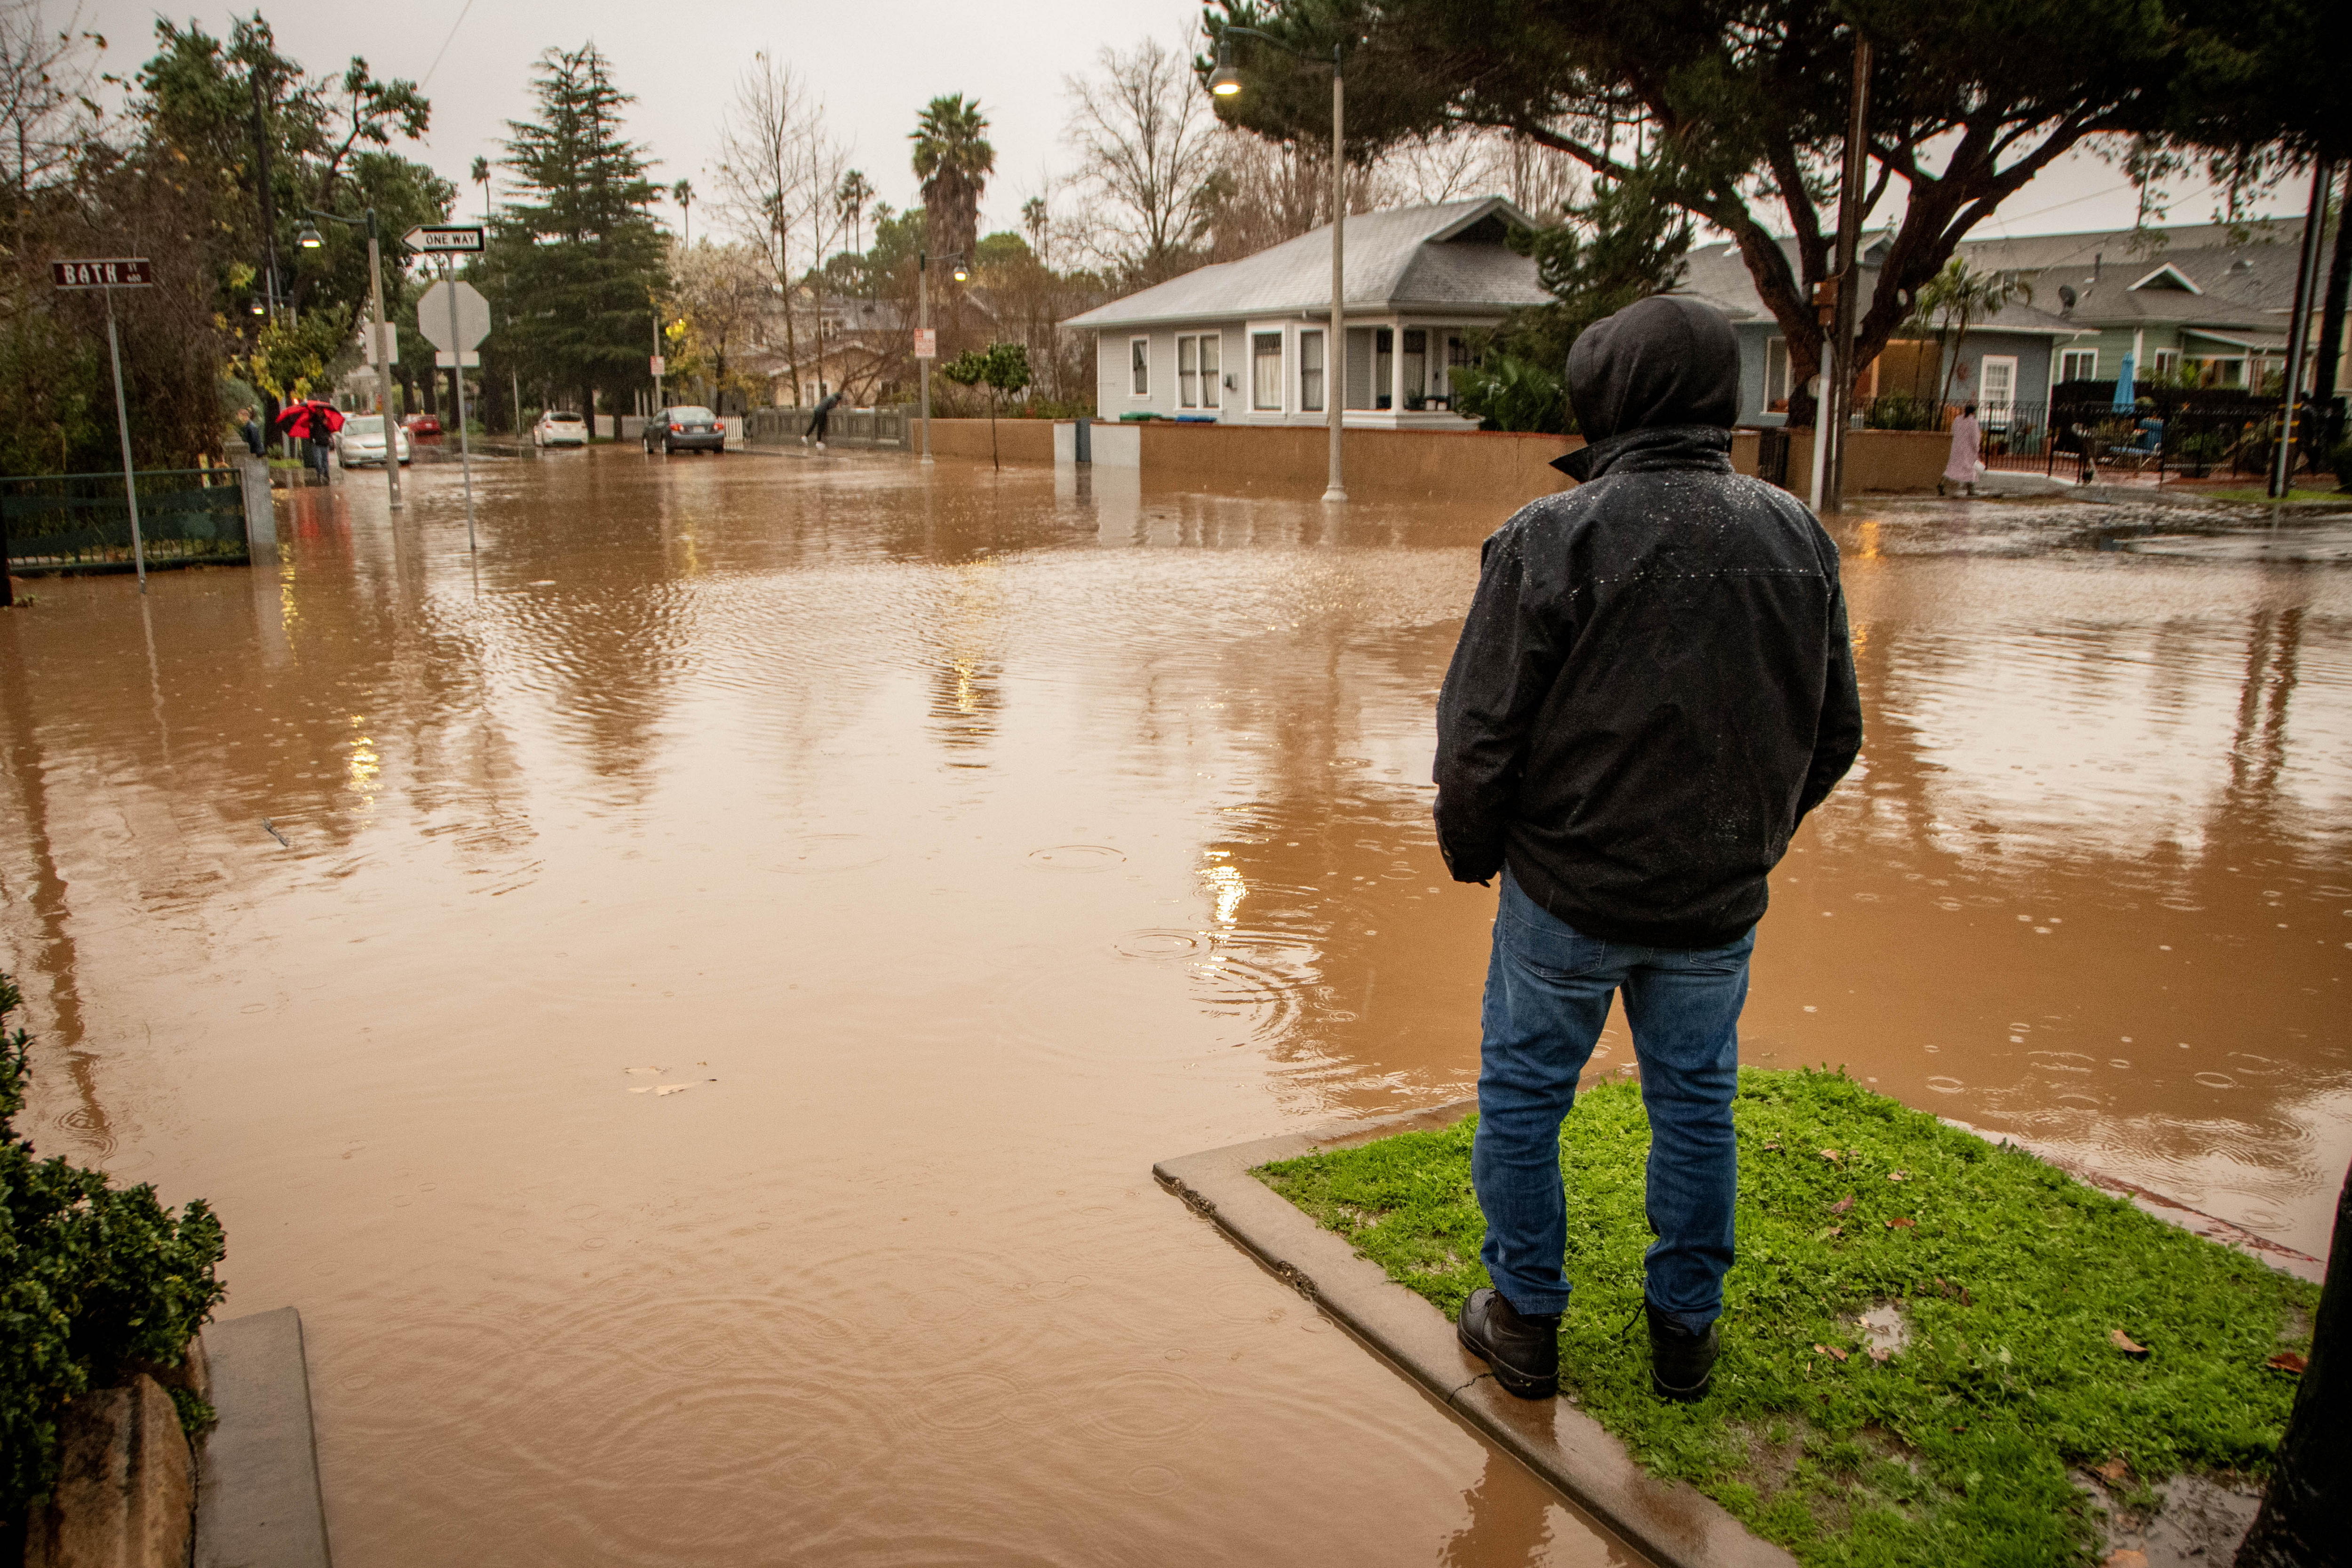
pixel 1718 274
pixel 1449 257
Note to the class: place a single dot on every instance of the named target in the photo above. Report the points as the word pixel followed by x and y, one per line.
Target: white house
pixel 1242 343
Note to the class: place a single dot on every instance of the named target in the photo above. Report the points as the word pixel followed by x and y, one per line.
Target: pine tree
pixel 578 260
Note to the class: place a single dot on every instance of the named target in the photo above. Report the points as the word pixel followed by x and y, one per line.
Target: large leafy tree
pixel 578 260
pixel 1970 100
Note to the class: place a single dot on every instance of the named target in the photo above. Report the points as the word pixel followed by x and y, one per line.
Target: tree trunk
pixel 2307 1516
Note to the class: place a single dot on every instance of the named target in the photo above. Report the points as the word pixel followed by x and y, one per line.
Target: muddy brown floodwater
pixel 740 943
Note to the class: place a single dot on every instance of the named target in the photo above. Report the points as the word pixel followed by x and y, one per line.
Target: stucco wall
pixel 1495 467
pixel 1018 440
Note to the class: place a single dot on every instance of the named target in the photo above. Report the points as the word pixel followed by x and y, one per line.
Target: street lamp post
pixel 1224 82
pixel 310 240
pixel 958 271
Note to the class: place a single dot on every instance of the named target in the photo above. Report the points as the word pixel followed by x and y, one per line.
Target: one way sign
pixel 445 237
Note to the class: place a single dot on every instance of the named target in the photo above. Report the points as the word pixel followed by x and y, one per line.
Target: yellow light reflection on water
pixel 1227 887
pixel 362 769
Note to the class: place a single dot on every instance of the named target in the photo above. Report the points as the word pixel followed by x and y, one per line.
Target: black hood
pixel 1660 362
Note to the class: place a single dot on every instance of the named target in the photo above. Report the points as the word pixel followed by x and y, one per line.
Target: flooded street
pixel 739 943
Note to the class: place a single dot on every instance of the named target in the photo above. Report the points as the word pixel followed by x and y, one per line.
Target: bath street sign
pixel 109 274
pixel 445 237
pixel 123 272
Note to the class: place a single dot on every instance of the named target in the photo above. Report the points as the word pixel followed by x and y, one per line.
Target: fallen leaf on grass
pixel 1898 1175
pixel 1836 1354
pixel 1832 1156
pixel 1843 1204
pixel 2124 1343
pixel 1880 1353
pixel 1833 1230
pixel 2287 1361
pixel 2115 1469
pixel 2126 1558
pixel 1901 1222
pixel 1773 1148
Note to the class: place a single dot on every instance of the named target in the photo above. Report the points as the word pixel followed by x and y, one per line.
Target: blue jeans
pixel 1547 991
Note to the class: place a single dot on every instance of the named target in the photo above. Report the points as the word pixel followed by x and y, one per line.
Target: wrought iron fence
pixel 62 522
pixel 2081 433
pixel 843 426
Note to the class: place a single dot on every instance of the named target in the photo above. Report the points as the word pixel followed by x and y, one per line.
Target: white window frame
pixel 1188 371
pixel 2067 357
pixel 1775 359
pixel 1139 367
pixel 1213 395
pixel 1322 371
pixel 1281 368
pixel 2164 362
pixel 2008 404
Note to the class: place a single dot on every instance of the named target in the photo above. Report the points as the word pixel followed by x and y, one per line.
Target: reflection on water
pixel 966 843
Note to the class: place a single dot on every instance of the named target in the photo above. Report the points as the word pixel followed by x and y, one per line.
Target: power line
pixel 446 42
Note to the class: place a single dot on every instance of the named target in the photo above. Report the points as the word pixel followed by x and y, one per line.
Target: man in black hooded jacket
pixel 1653 687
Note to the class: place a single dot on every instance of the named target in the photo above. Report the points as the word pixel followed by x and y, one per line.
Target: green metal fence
pixel 80 522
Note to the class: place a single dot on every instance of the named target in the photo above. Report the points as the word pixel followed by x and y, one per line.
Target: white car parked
pixel 559 427
pixel 360 441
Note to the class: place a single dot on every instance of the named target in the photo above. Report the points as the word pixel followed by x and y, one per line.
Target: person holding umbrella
pixel 316 421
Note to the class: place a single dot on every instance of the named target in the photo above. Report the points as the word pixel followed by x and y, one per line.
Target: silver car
pixel 360 441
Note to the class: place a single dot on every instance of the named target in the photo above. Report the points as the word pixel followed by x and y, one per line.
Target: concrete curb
pixel 1673 1525
pixel 259 1504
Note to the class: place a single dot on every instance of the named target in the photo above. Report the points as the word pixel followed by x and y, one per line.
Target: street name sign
pixel 453 315
pixel 926 343
pixel 661 365
pixel 445 237
pixel 121 272
pixel 443 359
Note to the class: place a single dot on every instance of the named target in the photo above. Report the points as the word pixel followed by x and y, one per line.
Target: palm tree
pixel 953 159
pixel 482 178
pixel 683 194
pixel 1956 297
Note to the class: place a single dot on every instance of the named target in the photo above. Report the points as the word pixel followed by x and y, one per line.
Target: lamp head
pixel 961 273
pixel 310 239
pixel 258 305
pixel 1224 82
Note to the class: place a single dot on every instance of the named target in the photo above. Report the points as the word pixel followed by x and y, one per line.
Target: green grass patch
pixel 2262 497
pixel 2011 1281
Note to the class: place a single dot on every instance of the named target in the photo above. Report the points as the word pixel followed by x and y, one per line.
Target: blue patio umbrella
pixel 2125 398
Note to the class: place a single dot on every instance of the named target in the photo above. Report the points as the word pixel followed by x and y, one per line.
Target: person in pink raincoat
pixel 1964 465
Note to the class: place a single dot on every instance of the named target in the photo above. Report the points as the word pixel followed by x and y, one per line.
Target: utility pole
pixel 1335 393
pixel 2307 280
pixel 922 341
pixel 1838 370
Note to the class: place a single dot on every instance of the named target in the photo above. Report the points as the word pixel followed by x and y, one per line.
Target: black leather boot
pixel 1682 1363
pixel 1523 1351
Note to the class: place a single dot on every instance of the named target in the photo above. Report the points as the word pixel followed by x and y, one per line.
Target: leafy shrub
pixel 1503 392
pixel 2340 460
pixel 95 1280
pixel 1900 411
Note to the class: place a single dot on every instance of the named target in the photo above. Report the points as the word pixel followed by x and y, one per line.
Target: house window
pixel 1997 386
pixel 1188 373
pixel 2166 361
pixel 2079 365
pixel 1384 367
pixel 1776 375
pixel 1416 367
pixel 1310 371
pixel 1265 371
pixel 1211 369
pixel 1457 354
pixel 1139 367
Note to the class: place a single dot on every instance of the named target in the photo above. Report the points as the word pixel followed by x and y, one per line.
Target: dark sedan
pixel 685 430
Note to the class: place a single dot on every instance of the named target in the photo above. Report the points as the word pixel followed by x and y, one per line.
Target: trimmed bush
pixel 96 1281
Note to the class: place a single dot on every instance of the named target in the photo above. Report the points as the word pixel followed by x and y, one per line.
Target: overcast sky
pixel 874 63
